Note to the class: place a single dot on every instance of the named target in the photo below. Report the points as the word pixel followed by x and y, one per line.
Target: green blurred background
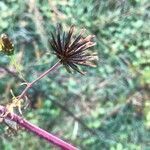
pixel 109 107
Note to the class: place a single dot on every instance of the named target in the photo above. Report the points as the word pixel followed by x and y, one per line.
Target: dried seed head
pixel 6 45
pixel 73 51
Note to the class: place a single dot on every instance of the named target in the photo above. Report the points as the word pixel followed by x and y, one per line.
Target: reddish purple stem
pixel 29 85
pixel 32 128
pixel 38 131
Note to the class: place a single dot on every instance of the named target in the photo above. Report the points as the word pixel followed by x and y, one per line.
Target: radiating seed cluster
pixel 72 50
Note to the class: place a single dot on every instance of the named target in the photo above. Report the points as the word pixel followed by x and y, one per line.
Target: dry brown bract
pixel 73 50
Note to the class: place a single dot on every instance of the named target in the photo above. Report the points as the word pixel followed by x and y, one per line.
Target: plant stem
pixel 33 128
pixel 38 131
pixel 29 85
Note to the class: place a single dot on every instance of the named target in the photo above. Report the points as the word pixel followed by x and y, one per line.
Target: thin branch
pixel 11 73
pixel 29 85
pixel 75 118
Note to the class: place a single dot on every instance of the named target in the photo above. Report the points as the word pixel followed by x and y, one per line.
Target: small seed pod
pixel 6 46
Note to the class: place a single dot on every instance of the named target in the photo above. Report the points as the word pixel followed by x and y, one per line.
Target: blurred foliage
pixel 109 108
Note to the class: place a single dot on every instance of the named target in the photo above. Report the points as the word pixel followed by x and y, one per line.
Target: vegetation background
pixel 106 109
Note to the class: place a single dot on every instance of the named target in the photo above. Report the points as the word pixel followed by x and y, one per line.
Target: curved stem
pixel 29 85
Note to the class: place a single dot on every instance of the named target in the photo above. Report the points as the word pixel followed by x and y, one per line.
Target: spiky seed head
pixel 72 50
